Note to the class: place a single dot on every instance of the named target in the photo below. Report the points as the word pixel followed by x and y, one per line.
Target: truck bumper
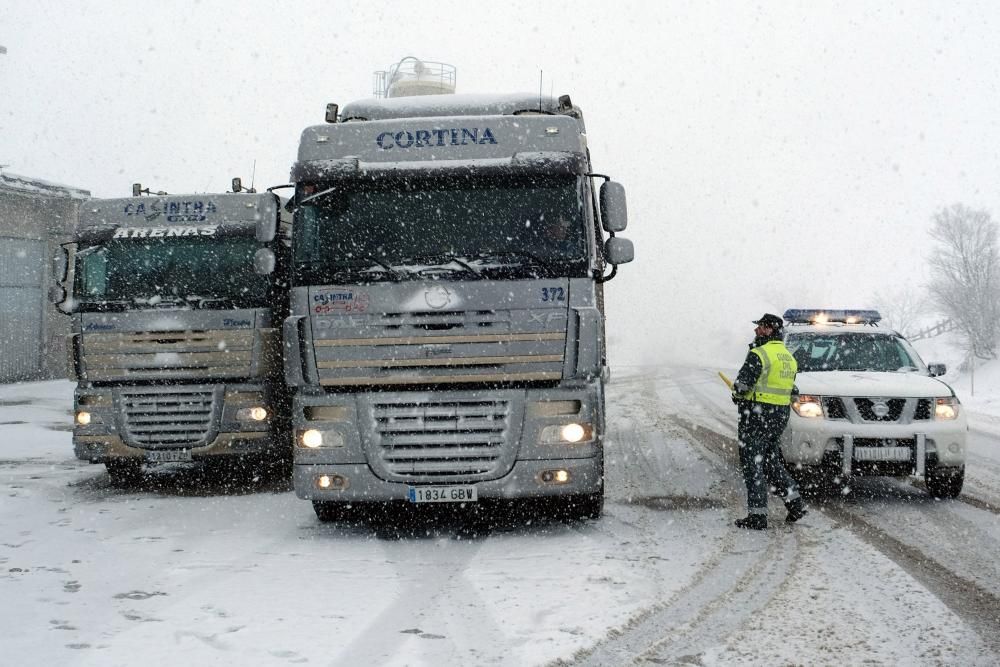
pixel 523 481
pixel 219 431
pixel 104 448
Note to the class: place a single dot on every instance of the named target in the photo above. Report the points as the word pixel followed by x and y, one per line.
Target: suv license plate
pixel 168 456
pixel 443 494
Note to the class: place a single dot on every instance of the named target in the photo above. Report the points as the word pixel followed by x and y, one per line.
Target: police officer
pixel 763 391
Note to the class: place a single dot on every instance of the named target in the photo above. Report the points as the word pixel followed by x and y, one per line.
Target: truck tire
pixel 584 506
pixel 328 512
pixel 945 482
pixel 124 472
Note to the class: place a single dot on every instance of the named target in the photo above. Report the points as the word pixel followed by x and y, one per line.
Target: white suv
pixel 868 405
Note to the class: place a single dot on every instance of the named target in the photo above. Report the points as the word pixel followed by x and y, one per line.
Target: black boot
pixel 753 522
pixel 796 510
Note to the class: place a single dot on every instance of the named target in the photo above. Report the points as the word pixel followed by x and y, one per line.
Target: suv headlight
pixel 946 409
pixel 810 407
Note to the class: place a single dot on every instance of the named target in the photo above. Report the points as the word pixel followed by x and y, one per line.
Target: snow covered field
pixel 185 568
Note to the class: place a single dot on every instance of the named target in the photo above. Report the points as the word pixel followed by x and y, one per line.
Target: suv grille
pixel 867 409
pixel 167 418
pixel 834 408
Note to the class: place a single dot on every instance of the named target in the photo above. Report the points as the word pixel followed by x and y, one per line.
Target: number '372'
pixel 553 294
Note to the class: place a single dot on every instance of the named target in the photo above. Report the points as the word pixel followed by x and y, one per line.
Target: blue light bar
pixel 821 316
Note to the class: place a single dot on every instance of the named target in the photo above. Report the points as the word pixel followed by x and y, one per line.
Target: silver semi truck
pixel 446 337
pixel 177 303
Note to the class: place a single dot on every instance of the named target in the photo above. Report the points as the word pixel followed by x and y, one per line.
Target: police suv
pixel 868 405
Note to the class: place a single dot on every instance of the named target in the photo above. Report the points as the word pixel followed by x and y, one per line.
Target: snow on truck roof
pixel 430 106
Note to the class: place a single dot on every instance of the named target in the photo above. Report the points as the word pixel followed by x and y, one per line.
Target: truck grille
pixel 168 354
pixel 452 440
pixel 166 418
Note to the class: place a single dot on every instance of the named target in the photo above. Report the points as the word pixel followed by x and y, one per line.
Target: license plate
pixel 443 494
pixel 168 456
pixel 882 454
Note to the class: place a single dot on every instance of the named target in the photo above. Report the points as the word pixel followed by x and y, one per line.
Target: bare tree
pixel 902 308
pixel 965 275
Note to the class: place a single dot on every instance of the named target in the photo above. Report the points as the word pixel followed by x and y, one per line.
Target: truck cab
pixel 176 304
pixel 446 337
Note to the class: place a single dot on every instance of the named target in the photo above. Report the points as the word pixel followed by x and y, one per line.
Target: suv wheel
pixel 945 482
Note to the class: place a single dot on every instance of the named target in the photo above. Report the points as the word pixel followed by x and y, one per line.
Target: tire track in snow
pixel 741 577
pixel 978 607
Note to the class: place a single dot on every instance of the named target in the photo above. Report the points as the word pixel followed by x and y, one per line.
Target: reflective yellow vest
pixel 777 377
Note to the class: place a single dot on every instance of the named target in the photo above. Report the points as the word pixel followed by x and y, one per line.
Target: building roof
pixel 36 187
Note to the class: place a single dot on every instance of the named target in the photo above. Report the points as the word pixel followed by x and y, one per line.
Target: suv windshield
pixel 192 271
pixel 417 228
pixel 854 351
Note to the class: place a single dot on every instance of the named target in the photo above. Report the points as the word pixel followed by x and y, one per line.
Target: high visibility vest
pixel 777 377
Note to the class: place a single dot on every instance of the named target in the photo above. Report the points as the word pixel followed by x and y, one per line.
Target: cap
pixel 769 320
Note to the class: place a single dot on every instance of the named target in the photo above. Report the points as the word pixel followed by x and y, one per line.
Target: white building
pixel 35 217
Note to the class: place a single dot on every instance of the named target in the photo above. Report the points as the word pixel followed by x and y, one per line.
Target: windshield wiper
pixel 92 305
pixel 157 300
pixel 202 302
pixel 427 265
pixel 497 254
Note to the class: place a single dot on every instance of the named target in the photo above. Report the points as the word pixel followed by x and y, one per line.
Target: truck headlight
pixel 82 417
pixel 571 433
pixel 257 414
pixel 810 407
pixel 946 409
pixel 314 439
pixel 311 438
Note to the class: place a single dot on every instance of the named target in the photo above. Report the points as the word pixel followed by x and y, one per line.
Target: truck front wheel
pixel 585 506
pixel 945 482
pixel 328 512
pixel 124 472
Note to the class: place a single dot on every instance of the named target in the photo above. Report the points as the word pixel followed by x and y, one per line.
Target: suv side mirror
pixel 614 212
pixel 618 251
pixel 237 184
pixel 936 370
pixel 264 261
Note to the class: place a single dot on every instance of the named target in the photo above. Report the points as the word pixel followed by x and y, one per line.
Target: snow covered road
pixel 184 568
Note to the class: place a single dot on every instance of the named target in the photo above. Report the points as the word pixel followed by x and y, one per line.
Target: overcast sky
pixel 775 154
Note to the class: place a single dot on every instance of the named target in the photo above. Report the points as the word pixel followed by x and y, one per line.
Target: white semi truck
pixel 176 304
pixel 446 338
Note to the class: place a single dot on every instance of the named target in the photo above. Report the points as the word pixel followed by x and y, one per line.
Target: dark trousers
pixel 763 468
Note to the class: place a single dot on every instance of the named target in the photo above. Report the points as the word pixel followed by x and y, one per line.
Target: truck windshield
pixel 852 352
pixel 201 272
pixel 459 227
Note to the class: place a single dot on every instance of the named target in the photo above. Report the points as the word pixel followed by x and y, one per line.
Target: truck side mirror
pixel 237 184
pixel 614 212
pixel 619 251
pixel 936 370
pixel 57 294
pixel 267 221
pixel 264 261
pixel 60 264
